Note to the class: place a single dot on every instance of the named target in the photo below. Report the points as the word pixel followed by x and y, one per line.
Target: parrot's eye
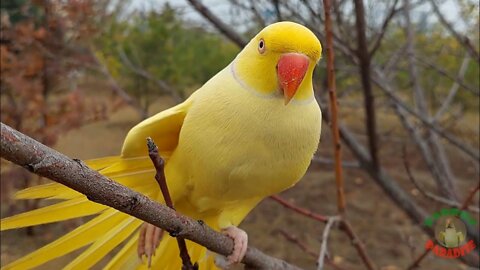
pixel 261 46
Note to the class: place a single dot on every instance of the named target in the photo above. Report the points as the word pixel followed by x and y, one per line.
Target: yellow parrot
pixel 450 237
pixel 247 133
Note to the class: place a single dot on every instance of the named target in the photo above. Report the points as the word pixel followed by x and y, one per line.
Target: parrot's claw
pixel 148 241
pixel 240 244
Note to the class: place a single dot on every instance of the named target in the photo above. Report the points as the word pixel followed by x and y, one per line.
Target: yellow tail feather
pixel 47 191
pixel 103 245
pixel 81 236
pixel 74 208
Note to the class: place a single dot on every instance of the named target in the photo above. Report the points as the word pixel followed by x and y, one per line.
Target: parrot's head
pixel 449 224
pixel 280 61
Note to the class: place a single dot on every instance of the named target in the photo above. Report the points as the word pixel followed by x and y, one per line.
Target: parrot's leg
pixel 148 241
pixel 240 243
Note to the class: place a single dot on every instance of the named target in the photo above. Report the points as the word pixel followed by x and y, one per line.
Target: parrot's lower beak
pixel 291 69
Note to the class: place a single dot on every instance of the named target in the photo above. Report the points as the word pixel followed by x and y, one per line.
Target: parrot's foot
pixel 240 244
pixel 148 241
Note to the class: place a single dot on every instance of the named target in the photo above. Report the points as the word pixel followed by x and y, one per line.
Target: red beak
pixel 291 69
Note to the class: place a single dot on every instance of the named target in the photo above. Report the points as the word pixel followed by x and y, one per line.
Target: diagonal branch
pixel 444 73
pixel 426 193
pixel 221 26
pixel 42 160
pixel 463 40
pixel 117 89
pixel 383 30
pixel 161 84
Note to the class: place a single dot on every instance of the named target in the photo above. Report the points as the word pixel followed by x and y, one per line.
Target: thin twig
pixel 330 162
pixel 323 247
pixel 380 80
pixel 293 239
pixel 344 226
pixel 332 88
pixel 444 73
pixel 383 30
pixel 462 39
pixel 297 242
pixel 220 25
pixel 428 194
pixel 159 164
pixel 357 243
pixel 468 200
pixel 300 210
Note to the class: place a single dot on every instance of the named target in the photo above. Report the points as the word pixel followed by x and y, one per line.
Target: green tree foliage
pixel 165 46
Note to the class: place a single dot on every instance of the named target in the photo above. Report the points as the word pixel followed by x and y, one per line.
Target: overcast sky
pixel 223 8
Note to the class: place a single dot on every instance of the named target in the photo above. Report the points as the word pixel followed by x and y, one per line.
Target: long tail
pixel 109 229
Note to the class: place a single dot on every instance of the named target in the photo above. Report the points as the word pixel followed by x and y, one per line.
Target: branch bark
pixel 463 40
pixel 364 58
pixel 42 160
pixel 332 93
pixel 117 89
pixel 222 27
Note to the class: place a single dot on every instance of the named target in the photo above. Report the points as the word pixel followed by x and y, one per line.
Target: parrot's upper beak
pixel 291 69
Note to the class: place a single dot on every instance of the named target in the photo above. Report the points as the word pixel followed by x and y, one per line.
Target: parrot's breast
pixel 235 146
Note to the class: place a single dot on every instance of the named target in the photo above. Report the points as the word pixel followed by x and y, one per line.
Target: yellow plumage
pixel 228 146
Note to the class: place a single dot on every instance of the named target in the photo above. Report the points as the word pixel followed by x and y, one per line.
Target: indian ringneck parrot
pixel 450 237
pixel 247 133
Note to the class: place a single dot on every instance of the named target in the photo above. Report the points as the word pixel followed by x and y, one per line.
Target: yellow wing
pixel 164 128
pixel 111 228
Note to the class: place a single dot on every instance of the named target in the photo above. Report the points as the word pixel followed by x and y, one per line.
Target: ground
pixel 390 237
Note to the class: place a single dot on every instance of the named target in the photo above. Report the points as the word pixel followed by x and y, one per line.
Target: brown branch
pixel 387 89
pixel 444 73
pixel 117 89
pixel 369 100
pixel 293 239
pixel 42 160
pixel 428 194
pixel 357 243
pixel 332 88
pixel 300 210
pixel 463 40
pixel 344 226
pixel 330 162
pixel 159 165
pixel 297 242
pixel 383 30
pixel 222 27
pixel 161 84
pixel 468 200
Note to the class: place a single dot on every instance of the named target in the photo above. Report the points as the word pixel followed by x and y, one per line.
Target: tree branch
pixel 117 88
pixel 383 30
pixel 365 69
pixel 463 40
pixel 332 93
pixel 161 84
pixel 222 27
pixel 42 160
pixel 428 194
